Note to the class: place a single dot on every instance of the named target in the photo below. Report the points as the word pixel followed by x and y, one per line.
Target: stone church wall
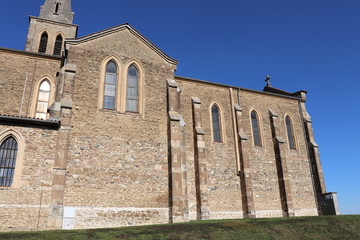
pixel 19 74
pixel 25 207
pixel 223 184
pixel 118 161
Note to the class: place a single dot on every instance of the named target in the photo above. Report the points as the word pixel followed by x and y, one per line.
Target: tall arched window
pixel 290 132
pixel 110 85
pixel 43 100
pixel 132 90
pixel 43 43
pixel 216 123
pixel 58 45
pixel 8 153
pixel 255 128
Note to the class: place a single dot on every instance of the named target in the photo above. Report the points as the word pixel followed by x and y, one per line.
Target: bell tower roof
pixel 57 10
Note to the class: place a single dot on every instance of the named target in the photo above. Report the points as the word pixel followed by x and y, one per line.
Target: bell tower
pixel 57 10
pixel 47 33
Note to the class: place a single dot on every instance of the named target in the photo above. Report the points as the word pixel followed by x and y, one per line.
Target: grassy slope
pixel 299 228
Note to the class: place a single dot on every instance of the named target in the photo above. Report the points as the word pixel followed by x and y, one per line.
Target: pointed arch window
pixel 255 128
pixel 216 123
pixel 110 85
pixel 8 154
pixel 58 45
pixel 43 42
pixel 43 100
pixel 132 90
pixel 290 132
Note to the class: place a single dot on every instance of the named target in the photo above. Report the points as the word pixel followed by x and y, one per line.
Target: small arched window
pixel 57 5
pixel 110 85
pixel 58 45
pixel 43 42
pixel 290 132
pixel 132 90
pixel 8 154
pixel 216 123
pixel 43 100
pixel 255 128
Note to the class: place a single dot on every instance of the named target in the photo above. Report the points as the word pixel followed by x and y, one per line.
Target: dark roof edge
pixel 231 86
pixel 131 29
pixel 30 121
pixel 55 57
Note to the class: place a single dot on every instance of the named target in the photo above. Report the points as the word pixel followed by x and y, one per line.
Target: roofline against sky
pixel 132 30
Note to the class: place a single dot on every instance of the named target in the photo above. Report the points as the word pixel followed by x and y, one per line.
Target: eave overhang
pixel 29 122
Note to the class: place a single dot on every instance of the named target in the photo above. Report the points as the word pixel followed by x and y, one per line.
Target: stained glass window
pixel 255 128
pixel 8 153
pixel 216 124
pixel 110 85
pixel 290 132
pixel 132 90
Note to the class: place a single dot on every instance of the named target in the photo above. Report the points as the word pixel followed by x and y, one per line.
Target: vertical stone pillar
pixel 200 162
pixel 178 200
pixel 63 109
pixel 281 165
pixel 314 156
pixel 245 168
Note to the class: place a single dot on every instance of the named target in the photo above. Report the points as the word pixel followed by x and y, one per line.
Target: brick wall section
pixel 15 68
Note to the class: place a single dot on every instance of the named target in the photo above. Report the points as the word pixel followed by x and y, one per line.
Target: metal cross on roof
pixel 267 80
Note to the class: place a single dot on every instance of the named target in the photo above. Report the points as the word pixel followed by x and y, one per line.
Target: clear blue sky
pixel 312 45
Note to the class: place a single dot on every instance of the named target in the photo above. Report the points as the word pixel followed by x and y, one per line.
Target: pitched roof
pixel 271 89
pixel 118 28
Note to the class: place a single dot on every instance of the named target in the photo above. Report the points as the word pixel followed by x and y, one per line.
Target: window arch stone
pixel 126 86
pixel 110 81
pixel 290 132
pixel 43 42
pixel 217 122
pixel 16 161
pixel 255 123
pixel 36 94
pixel 58 44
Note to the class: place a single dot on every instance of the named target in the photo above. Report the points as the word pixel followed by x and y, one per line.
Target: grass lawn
pixel 297 228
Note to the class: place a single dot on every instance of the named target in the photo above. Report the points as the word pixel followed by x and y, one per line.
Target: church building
pixel 97 131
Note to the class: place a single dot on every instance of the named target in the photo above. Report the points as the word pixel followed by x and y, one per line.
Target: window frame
pixel 221 122
pixel 219 115
pixel 8 155
pixel 62 43
pixel 294 147
pixel 137 88
pixel 259 126
pixel 41 42
pixel 35 94
pixel 141 77
pixel 38 101
pixel 115 85
pixel 19 158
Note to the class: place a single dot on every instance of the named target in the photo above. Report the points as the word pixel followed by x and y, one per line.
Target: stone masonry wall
pixel 224 193
pixel 223 183
pixel 26 207
pixel 18 75
pixel 118 160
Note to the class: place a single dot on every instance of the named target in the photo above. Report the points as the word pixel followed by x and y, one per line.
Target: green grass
pixel 297 228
